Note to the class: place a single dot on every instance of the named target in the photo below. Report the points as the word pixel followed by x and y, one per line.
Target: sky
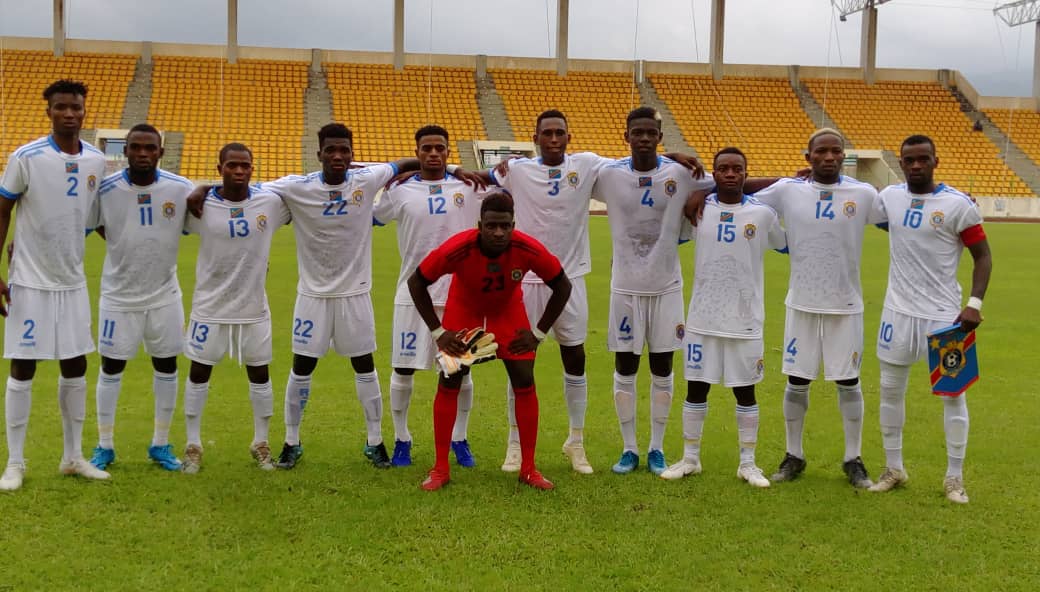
pixel 956 34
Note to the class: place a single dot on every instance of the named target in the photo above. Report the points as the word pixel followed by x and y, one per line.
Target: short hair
pixel 916 140
pixel 643 112
pixel 826 131
pixel 334 130
pixel 549 114
pixel 72 87
pixel 497 202
pixel 236 146
pixel 431 130
pixel 146 128
pixel 729 150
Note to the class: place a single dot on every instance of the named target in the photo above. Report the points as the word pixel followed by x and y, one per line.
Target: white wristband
pixel 451 168
pixel 436 333
pixel 538 334
pixel 974 302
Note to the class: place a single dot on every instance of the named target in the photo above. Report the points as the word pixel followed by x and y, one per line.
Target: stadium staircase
pixel 816 112
pixel 674 140
pixel 892 160
pixel 317 111
pixel 492 111
pixel 465 155
pixel 138 96
pixel 173 144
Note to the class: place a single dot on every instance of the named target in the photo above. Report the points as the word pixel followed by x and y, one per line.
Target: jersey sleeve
pixel 879 214
pixel 436 263
pixel 592 162
pixel 871 199
pixel 777 236
pixel 504 181
pixel 193 225
pixel 15 179
pixel 377 175
pixel 95 217
pixel 970 215
pixel 771 196
pixel 283 213
pixel 278 186
pixel 386 209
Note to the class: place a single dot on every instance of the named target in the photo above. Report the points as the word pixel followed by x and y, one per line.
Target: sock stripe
pixel 748 409
pixel 695 406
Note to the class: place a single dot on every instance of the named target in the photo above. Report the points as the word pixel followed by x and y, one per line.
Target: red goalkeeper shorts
pixel 504 323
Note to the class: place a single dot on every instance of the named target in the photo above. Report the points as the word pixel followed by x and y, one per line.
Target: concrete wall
pixel 1010 207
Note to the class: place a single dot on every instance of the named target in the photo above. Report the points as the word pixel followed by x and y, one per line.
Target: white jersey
pixel 824 225
pixel 143 229
pixel 552 205
pixel 427 214
pixel 55 193
pixel 924 236
pixel 235 246
pixel 728 297
pixel 646 224
pixel 333 228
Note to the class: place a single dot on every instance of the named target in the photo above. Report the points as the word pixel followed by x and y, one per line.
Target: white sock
pixel 72 400
pixel 892 414
pixel 17 403
pixel 165 388
pixel 660 407
pixel 576 393
pixel 297 393
pixel 400 399
pixel 850 403
pixel 107 395
pixel 514 431
pixel 195 395
pixel 796 405
pixel 955 423
pixel 747 432
pixel 693 415
pixel 368 392
pixel 625 405
pixel 261 396
pixel 465 405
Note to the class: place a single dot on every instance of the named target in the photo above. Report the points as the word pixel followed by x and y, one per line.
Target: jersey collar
pixel 631 167
pixel 126 177
pixel 50 140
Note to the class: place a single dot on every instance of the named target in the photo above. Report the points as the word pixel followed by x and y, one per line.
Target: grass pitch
pixel 337 523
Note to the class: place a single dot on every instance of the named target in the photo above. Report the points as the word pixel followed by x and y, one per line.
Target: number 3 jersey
pixel 427 214
pixel 926 236
pixel 728 287
pixel 55 193
pixel 235 246
pixel 143 229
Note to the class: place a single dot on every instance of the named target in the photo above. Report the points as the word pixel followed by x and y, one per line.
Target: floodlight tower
pixel 1021 13
pixel 868 35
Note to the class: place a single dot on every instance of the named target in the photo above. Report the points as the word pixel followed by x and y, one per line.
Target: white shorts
pixel 161 329
pixel 47 324
pixel 572 328
pixel 413 345
pixel 249 343
pixel 347 323
pixel 903 339
pixel 654 321
pixel 837 339
pixel 713 359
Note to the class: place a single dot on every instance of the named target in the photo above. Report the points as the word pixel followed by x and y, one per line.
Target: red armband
pixel 973 235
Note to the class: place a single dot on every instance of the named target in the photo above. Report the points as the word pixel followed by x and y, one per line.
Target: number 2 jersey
pixel 55 193
pixel 926 236
pixel 231 271
pixel 728 287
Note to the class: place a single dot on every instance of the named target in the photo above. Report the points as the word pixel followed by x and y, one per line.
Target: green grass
pixel 337 523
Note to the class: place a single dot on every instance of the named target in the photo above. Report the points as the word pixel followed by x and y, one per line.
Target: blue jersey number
pixel 912 218
pixel 555 189
pixel 73 184
pixel 302 328
pixel 108 328
pixel 238 227
pixel 647 200
pixel 146 216
pixel 331 208
pixel 823 210
pixel 726 233
pixel 436 205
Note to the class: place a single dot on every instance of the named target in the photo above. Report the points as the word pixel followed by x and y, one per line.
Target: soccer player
pixel 929 226
pixel 824 216
pixel 54 180
pixel 429 208
pixel 645 196
pixel 229 311
pixel 723 337
pixel 140 213
pixel 487 265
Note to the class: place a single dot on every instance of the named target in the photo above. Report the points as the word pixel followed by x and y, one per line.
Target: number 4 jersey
pixel 235 246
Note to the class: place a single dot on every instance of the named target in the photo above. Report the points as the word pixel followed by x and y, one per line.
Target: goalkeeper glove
pixel 480 347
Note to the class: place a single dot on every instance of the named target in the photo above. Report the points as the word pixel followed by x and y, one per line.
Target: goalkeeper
pixel 485 305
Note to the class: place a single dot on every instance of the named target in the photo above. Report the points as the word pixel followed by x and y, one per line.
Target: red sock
pixel 527 422
pixel 445 407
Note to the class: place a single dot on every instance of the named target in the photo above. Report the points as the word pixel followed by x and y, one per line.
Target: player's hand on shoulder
pixel 690 162
pixel 502 168
pixel 196 199
pixel 969 319
pixel 804 173
pixel 399 178
pixel 694 208
pixel 470 178
pixel 524 342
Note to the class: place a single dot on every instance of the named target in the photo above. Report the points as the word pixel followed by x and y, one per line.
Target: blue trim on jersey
pixel 8 195
pixel 177 178
pixel 494 179
pixel 38 144
pixel 50 140
pixel 393 166
pixel 126 177
pixel 659 161
pixel 85 146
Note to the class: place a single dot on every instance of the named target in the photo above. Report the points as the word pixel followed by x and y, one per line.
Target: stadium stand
pixel 596 104
pixel 27 73
pixel 385 107
pixel 261 106
pixel 881 115
pixel 761 116
pixel 1022 126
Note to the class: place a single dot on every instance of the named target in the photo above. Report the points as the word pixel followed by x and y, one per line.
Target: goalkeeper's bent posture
pixel 487 266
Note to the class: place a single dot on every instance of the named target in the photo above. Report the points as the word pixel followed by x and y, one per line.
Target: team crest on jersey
pixel 357 196
pixel 826 195
pixel 937 219
pixel 335 195
pixel 646 181
pixel 749 231
pixel 555 174
pixel 458 199
pixel 760 367
pixel 680 331
pixel 493 267
pixel 726 217
pixel 572 178
pixel 169 209
pixel 261 222
pixel 91 182
pixel 144 198
pixel 237 212
pixel 435 190
pixel 71 167
pixel 916 203
pixel 517 275
pixel 849 209
pixel 670 187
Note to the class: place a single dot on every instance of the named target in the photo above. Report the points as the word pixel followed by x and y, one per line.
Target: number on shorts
pixel 108 328
pixel 624 327
pixel 886 332
pixel 694 352
pixel 408 340
pixel 302 328
pixel 29 325
pixel 199 332
pixel 791 349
